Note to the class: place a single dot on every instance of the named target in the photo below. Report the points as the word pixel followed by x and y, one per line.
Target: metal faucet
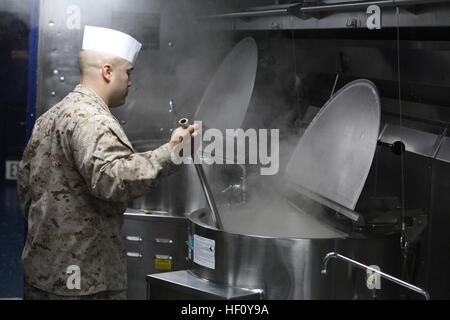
pixel 382 274
pixel 242 186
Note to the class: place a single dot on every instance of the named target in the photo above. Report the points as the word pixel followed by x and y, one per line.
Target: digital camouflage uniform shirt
pixel 76 176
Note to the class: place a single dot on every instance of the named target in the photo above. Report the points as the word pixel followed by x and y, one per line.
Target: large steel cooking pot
pixel 181 192
pixel 290 268
pixel 173 195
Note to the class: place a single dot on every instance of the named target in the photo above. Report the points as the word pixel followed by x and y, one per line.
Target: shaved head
pixel 89 60
pixel 106 74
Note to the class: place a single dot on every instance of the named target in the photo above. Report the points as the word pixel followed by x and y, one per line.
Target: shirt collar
pixel 91 94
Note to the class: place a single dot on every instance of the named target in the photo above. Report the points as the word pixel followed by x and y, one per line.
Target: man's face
pixel 120 83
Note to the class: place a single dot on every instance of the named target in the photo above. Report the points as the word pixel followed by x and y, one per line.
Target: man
pixel 77 174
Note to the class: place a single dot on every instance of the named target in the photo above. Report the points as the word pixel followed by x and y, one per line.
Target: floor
pixel 12 236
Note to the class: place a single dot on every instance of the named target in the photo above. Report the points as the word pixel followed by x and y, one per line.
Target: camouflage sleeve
pixel 110 168
pixel 23 188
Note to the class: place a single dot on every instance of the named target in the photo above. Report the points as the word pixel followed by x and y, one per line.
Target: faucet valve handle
pixel 183 122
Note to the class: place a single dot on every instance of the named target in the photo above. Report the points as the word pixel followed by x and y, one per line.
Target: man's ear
pixel 107 71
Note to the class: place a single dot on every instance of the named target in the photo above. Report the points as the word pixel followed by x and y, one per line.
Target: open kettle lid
pixel 333 157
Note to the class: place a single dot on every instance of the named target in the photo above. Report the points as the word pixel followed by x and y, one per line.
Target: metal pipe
pixel 247 14
pixel 416 2
pixel 362 5
pixel 382 274
pixel 259 12
pixel 346 6
pixel 184 123
pixel 209 196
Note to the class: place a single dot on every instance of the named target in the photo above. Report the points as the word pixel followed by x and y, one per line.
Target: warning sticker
pixel 204 251
pixel 163 264
pixel 190 246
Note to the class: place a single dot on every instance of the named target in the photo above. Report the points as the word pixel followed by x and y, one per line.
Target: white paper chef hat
pixel 111 41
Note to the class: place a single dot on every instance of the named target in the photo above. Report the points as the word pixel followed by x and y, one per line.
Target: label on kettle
pixel 204 251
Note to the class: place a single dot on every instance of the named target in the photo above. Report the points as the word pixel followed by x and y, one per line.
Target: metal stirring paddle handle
pixel 184 123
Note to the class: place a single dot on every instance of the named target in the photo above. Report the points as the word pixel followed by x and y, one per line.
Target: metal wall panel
pixel 438 258
pixel 176 62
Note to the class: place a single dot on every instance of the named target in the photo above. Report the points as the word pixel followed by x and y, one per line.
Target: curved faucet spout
pixel 325 261
pixel 364 267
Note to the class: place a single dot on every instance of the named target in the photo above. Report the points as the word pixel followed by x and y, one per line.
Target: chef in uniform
pixel 77 174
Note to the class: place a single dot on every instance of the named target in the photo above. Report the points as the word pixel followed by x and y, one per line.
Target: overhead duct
pixel 303 11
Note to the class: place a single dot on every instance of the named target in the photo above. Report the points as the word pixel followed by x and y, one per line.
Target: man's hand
pixel 180 133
